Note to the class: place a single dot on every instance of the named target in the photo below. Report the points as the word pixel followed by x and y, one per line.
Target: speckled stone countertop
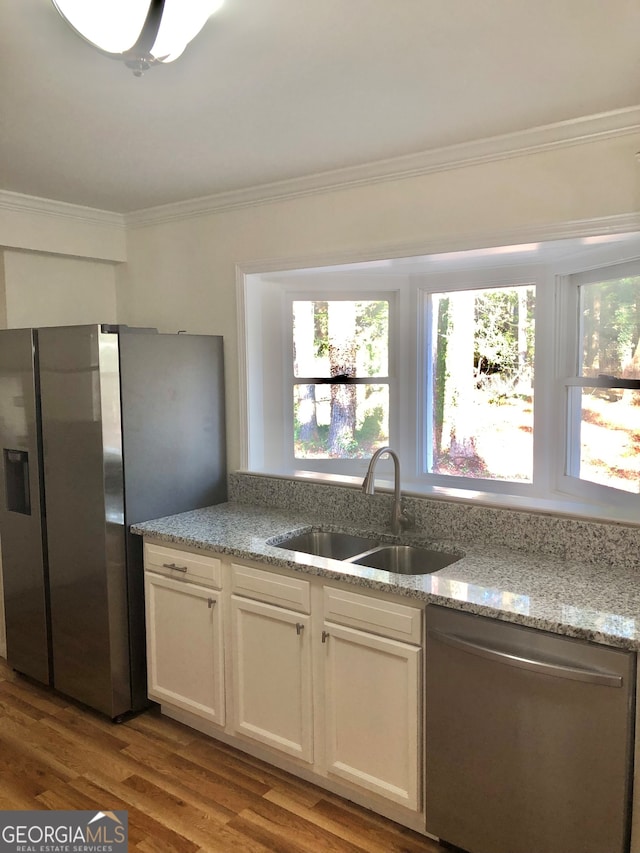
pixel 601 604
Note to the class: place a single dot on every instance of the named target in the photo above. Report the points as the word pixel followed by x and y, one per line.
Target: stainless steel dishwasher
pixel 528 738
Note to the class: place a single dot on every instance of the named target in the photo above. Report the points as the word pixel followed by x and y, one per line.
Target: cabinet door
pixel 372 706
pixel 271 654
pixel 184 646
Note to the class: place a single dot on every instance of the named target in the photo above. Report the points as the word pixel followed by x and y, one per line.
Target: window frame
pixel 555 333
pixel 570 379
pixel 516 276
pixel 346 466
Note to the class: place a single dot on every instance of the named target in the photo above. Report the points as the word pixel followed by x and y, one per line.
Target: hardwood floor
pixel 184 792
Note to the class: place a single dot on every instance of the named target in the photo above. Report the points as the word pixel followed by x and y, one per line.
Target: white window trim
pixel 320 293
pixel 557 498
pixel 450 282
pixel 568 479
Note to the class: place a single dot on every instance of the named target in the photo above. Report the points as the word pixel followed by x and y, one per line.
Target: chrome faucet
pixel 400 518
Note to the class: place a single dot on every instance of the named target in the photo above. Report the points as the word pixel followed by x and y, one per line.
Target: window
pixel 603 394
pixel 512 371
pixel 321 358
pixel 340 377
pixel 480 383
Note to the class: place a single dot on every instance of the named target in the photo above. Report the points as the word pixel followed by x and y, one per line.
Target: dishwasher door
pixel 528 738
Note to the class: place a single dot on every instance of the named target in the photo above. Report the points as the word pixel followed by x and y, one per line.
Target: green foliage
pixel 371 430
pixel 305 448
pixel 321 327
pixel 496 331
pixel 372 332
pixel 493 368
pixel 611 326
pixel 360 444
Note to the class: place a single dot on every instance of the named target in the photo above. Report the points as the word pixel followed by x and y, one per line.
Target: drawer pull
pixel 174 567
pixel 325 636
pixel 299 628
pixel 210 603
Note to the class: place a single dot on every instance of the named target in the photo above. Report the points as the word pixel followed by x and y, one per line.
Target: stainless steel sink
pixel 406 559
pixel 336 545
pixel 364 551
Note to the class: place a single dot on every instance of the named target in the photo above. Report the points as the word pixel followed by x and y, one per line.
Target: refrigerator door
pixel 22 534
pixel 173 423
pixel 82 451
pixel 173 428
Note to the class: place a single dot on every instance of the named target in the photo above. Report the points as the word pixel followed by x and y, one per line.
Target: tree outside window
pixel 341 381
pixel 482 383
pixel 605 401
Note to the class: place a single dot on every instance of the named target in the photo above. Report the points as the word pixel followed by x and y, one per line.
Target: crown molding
pixel 548 137
pixel 19 203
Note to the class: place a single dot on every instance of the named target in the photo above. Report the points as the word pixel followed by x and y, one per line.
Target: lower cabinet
pixel 372 693
pixel 371 689
pixel 271 674
pixel 185 652
pixel 328 678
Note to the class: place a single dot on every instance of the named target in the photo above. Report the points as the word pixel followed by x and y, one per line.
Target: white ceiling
pixel 277 89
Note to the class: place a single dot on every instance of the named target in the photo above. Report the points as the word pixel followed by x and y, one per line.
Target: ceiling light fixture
pixel 142 33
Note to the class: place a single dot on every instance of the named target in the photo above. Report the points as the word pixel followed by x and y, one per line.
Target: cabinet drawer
pixel 270 587
pixel 183 565
pixel 386 618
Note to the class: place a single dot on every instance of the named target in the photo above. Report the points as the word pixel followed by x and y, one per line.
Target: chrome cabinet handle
pixel 299 628
pixel 325 636
pixel 174 567
pixel 515 659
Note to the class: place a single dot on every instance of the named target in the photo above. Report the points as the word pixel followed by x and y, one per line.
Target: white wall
pixel 181 274
pixel 43 225
pixel 48 290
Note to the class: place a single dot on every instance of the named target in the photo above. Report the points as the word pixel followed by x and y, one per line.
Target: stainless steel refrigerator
pixel 100 427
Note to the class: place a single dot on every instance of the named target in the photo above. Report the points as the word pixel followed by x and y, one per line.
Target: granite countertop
pixel 601 604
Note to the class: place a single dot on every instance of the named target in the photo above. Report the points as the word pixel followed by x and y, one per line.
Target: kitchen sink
pixel 406 559
pixel 335 545
pixel 364 551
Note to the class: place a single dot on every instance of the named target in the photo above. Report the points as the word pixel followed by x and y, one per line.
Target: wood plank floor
pixel 184 792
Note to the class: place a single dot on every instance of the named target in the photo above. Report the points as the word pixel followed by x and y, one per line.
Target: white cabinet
pixel 271 671
pixel 372 661
pixel 371 689
pixel 368 655
pixel 320 679
pixel 185 652
pixel 271 660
